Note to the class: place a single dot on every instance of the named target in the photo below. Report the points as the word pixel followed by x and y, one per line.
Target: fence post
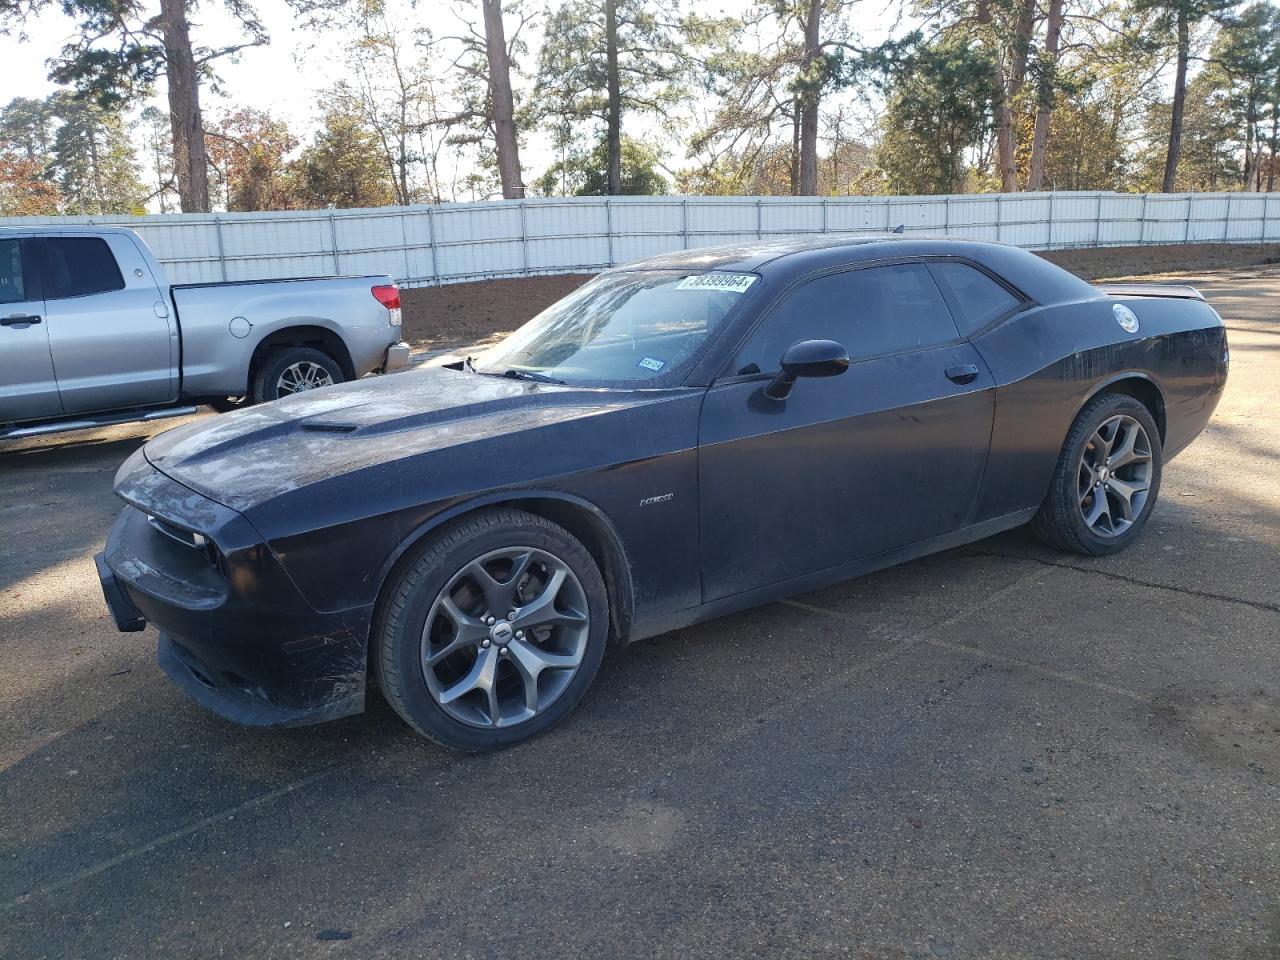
pixel 684 221
pixel 524 242
pixel 1226 221
pixel 1186 226
pixel 1142 222
pixel 608 227
pixel 1097 221
pixel 999 216
pixel 946 216
pixel 431 243
pixel 1051 196
pixel 759 221
pixel 222 253
pixel 824 214
pixel 1265 197
pixel 404 244
pixel 333 238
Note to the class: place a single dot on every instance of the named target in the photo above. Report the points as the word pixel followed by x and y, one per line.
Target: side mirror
pixel 807 358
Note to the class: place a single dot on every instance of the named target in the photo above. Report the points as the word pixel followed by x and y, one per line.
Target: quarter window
pixel 78 266
pixel 870 312
pixel 977 297
pixel 12 289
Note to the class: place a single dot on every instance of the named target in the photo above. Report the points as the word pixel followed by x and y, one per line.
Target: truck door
pixel 113 342
pixel 28 389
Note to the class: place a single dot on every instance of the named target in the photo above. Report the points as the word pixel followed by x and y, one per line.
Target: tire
pixel 448 673
pixel 1100 499
pixel 307 367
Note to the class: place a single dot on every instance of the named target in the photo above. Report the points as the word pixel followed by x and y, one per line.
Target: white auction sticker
pixel 728 282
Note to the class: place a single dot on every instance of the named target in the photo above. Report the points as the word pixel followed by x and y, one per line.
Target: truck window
pixel 11 286
pixel 78 266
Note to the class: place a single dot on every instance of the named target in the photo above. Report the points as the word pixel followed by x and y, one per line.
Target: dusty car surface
pixel 680 438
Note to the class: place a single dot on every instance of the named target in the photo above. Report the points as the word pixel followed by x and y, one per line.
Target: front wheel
pixel 1106 479
pixel 493 632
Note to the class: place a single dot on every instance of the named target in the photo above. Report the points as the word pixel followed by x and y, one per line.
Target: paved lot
pixel 996 752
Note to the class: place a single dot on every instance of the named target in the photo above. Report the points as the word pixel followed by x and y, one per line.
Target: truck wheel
pixel 1106 480
pixel 294 370
pixel 492 632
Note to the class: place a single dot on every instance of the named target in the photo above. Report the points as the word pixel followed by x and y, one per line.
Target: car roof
pixel 751 255
pixel 789 259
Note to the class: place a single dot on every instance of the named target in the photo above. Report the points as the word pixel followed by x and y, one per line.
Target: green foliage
pixel 587 175
pixel 938 108
pixel 341 167
pixel 67 155
pixel 570 98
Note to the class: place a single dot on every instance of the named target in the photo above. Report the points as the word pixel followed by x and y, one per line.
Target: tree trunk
pixel 503 103
pixel 1275 139
pixel 1179 102
pixel 1004 87
pixel 191 163
pixel 810 94
pixel 795 147
pixel 1044 101
pixel 614 84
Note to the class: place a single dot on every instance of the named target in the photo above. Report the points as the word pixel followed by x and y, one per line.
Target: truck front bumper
pixel 397 357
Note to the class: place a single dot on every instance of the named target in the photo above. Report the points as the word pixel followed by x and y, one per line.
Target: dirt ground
pixel 466 314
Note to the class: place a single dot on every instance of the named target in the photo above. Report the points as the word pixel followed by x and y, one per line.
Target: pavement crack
pixel 1127 578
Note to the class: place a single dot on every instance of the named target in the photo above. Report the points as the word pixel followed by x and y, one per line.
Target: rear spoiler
pixel 1178 291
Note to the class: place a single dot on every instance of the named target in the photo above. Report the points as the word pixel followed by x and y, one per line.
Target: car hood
pixel 244 458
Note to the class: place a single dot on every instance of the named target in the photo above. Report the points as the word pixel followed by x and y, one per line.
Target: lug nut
pixel 485 643
pixel 489 620
pixel 519 634
pixel 502 651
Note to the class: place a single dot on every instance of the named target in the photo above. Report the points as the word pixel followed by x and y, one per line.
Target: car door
pixel 889 453
pixel 110 334
pixel 28 388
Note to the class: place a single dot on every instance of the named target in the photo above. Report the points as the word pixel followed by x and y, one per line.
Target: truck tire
pixel 291 370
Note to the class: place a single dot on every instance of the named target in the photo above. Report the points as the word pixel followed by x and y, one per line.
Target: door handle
pixel 962 373
pixel 18 319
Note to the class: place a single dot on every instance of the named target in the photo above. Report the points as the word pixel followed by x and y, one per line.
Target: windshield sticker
pixel 652 363
pixel 728 282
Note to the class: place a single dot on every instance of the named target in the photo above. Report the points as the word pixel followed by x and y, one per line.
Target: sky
pixel 285 76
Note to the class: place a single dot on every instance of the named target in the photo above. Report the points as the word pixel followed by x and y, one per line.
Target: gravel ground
pixel 1000 751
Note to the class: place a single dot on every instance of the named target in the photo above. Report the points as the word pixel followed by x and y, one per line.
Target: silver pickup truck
pixel 92 334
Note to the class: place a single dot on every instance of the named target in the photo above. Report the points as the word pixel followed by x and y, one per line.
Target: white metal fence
pixel 424 245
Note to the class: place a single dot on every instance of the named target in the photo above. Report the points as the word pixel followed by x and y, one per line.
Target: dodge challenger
pixel 680 438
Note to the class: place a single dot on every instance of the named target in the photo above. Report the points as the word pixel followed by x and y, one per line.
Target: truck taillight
pixel 388 294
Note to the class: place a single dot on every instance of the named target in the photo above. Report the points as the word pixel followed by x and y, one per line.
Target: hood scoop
pixel 329 426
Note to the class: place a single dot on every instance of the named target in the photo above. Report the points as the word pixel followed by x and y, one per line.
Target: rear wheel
pixel 293 370
pixel 1106 480
pixel 493 632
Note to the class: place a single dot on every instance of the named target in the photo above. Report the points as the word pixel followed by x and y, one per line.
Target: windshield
pixel 632 329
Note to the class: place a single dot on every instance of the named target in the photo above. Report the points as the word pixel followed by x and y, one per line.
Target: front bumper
pixel 236 635
pixel 397 357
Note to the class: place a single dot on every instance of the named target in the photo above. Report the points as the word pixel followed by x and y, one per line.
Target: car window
pixel 870 312
pixel 978 298
pixel 637 328
pixel 12 289
pixel 78 266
